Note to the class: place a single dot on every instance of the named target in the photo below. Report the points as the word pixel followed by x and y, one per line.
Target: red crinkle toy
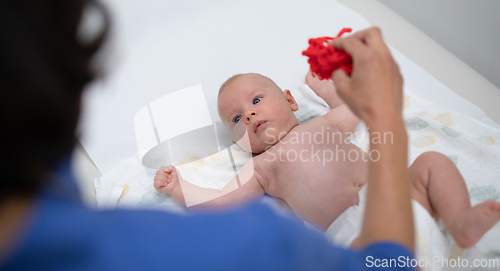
pixel 325 59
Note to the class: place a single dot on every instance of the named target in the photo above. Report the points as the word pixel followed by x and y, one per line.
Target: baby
pixel 290 162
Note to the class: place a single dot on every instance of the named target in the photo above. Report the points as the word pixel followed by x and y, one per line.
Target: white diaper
pixel 430 242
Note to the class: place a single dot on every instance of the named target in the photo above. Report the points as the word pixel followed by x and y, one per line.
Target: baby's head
pixel 254 104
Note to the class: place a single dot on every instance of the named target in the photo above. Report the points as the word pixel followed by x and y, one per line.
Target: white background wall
pixel 469 29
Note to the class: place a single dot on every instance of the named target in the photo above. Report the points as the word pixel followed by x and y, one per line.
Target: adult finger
pixel 352 45
pixel 372 36
pixel 342 83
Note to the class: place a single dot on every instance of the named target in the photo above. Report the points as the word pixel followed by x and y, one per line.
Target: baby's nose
pixel 249 115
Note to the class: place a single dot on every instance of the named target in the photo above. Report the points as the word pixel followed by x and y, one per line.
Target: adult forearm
pixel 388 213
pixel 374 92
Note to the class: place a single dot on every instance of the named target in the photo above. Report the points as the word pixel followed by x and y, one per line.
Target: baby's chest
pixel 306 151
pixel 315 155
pixel 317 135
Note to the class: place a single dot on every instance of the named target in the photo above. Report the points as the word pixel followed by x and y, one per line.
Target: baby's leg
pixel 440 188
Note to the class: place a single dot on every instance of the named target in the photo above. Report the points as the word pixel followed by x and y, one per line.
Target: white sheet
pixel 163 46
pixel 430 242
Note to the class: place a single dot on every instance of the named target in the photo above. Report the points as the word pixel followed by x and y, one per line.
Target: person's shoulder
pixel 254 235
pixel 254 219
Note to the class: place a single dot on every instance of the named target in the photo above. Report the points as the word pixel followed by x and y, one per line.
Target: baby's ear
pixel 291 101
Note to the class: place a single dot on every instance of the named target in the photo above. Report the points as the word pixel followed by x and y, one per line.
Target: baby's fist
pixel 166 179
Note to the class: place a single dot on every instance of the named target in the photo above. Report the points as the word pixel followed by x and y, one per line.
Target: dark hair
pixel 44 66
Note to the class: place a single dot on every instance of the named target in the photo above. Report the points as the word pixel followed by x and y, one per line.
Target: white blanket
pixel 472 145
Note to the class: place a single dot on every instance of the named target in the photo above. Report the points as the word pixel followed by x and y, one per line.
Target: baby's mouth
pixel 258 125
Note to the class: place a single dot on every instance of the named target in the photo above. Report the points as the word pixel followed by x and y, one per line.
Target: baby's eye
pixel 257 100
pixel 237 119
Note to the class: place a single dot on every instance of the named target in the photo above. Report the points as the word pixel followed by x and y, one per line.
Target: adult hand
pixel 374 89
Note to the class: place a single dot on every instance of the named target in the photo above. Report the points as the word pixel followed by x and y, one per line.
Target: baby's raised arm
pixel 242 189
pixel 343 118
pixel 340 114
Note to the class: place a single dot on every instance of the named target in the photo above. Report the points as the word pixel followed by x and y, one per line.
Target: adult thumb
pixel 342 82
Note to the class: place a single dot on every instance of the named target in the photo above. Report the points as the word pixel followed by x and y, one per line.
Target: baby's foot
pixel 472 224
pixel 321 87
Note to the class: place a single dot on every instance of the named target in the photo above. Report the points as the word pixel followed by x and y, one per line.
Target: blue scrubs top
pixel 64 235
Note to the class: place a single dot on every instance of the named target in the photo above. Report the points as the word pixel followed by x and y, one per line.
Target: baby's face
pixel 253 105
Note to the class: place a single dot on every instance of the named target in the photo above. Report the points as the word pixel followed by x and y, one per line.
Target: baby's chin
pixel 255 148
pixel 262 147
pixel 258 144
pixel 259 150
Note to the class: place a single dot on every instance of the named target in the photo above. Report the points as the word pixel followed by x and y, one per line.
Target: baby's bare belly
pixel 319 181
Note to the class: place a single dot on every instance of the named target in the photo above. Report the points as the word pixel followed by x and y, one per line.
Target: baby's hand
pixel 166 180
pixel 324 88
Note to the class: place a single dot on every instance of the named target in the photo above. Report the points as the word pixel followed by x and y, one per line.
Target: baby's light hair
pixel 228 81
pixel 236 76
